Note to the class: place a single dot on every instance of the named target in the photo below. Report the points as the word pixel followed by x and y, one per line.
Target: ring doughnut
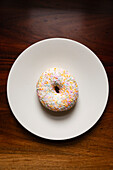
pixel 57 89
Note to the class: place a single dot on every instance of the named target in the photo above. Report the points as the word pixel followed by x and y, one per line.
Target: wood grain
pixel 23 23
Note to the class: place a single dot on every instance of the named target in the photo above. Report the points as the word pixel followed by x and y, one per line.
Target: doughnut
pixel 57 89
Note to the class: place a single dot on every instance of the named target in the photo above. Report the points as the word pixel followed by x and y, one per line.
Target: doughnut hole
pixel 57 89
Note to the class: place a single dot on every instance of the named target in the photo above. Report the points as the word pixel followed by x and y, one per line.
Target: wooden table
pixel 23 23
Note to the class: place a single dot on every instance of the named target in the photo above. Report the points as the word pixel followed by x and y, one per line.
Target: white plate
pixel 89 73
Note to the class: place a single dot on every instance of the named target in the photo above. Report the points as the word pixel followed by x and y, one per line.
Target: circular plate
pixel 89 73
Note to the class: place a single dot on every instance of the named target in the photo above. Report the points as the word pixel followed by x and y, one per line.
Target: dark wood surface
pixel 23 23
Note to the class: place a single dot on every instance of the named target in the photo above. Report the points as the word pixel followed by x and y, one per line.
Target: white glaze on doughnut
pixel 66 94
